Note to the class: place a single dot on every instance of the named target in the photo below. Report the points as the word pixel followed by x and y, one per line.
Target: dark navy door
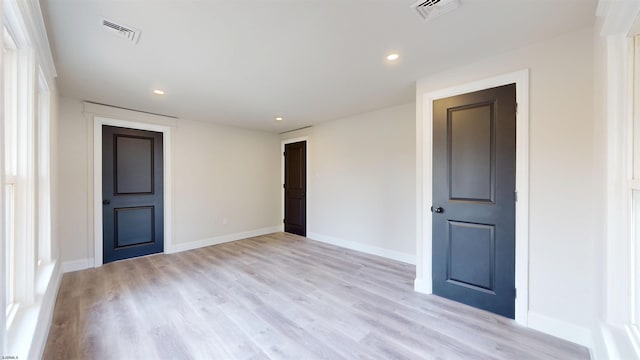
pixel 295 188
pixel 474 169
pixel 132 193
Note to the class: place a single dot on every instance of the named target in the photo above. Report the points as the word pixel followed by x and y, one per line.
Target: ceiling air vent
pixel 430 9
pixel 127 32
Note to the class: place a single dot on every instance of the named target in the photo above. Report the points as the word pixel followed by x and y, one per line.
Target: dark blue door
pixel 295 188
pixel 132 193
pixel 474 172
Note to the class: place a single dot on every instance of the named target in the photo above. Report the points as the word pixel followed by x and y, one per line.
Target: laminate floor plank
pixel 378 293
pixel 278 296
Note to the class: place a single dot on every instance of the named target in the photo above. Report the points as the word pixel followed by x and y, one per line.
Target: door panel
pixel 132 192
pixel 472 153
pixel 474 198
pixel 295 188
pixel 134 226
pixel 134 165
pixel 471 260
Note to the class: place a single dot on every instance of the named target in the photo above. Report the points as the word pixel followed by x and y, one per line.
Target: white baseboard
pixel 422 286
pixel 76 265
pixel 369 249
pixel 222 239
pixel 560 328
pixel 81 264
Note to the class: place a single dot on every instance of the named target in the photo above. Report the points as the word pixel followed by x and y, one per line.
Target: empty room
pixel 323 179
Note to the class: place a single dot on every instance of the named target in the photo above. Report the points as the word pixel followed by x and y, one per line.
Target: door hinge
pixel 283 186
pixel 515 293
pixel 515 196
pixel 516 108
pixel 284 153
pixel 283 221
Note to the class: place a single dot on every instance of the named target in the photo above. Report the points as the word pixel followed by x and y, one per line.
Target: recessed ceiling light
pixel 393 57
pixel 158 92
pixel 279 118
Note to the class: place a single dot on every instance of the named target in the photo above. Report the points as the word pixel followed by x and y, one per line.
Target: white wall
pixel 219 173
pixel 224 173
pixel 600 152
pixel 361 185
pixel 54 172
pixel 565 224
pixel 73 193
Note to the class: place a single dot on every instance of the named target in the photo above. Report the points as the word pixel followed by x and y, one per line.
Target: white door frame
pixel 423 282
pixel 98 122
pixel 306 198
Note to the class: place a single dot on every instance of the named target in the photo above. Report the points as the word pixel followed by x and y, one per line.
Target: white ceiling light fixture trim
pixel 130 33
pixel 158 92
pixel 430 9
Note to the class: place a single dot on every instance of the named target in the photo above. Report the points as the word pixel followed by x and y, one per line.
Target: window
pixel 26 266
pixel 634 195
pixel 43 248
pixel 20 149
pixel 10 171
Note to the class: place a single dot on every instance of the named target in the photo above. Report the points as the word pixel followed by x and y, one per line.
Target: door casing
pixel 424 162
pixel 98 122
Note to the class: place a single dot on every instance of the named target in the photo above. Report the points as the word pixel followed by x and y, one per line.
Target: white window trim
pixel 30 315
pixel 619 336
pixel 632 173
pixel 3 319
pixel 423 282
pixel 98 122
pixel 617 290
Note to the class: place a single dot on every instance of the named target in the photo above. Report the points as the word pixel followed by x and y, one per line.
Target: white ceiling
pixel 242 62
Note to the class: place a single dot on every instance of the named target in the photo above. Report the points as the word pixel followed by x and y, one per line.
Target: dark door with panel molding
pixel 295 188
pixel 132 193
pixel 474 168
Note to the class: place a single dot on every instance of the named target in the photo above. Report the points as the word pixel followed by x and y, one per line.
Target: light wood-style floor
pixel 278 296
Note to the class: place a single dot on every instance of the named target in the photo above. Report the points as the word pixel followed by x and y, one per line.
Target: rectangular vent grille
pixel 430 9
pixel 127 32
